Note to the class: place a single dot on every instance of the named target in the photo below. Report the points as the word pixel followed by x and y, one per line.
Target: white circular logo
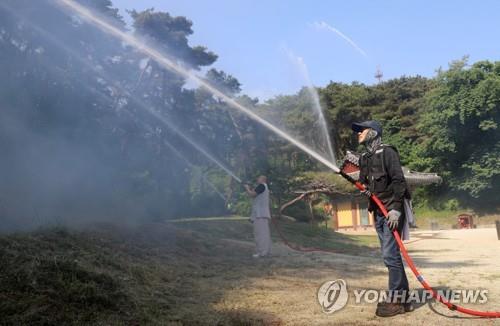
pixel 332 296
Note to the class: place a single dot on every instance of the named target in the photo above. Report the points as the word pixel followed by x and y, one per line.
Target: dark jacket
pixel 381 171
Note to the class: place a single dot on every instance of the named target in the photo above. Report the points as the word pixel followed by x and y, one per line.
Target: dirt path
pixel 285 292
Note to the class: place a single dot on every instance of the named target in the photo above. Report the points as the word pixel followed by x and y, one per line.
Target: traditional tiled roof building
pixel 348 208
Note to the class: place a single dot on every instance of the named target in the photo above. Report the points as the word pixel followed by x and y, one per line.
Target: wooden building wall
pixel 351 212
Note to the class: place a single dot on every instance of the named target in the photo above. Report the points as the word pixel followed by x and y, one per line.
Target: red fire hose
pixel 411 264
pixel 404 252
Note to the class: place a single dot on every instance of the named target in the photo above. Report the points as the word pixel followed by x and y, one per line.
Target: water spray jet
pixel 140 103
pixel 171 65
pixel 313 93
pixel 192 166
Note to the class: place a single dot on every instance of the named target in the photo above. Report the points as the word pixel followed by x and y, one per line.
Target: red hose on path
pixel 404 252
pixel 298 248
pixel 411 264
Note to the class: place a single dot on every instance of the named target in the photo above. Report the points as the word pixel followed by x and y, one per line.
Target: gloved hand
pixel 393 219
pixel 367 192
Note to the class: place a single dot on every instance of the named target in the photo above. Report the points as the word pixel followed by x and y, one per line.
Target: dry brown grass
pixel 202 273
pixel 153 274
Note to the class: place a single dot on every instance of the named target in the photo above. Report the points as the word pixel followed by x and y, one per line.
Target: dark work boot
pixel 408 306
pixel 389 309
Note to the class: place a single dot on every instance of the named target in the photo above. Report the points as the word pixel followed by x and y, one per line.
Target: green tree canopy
pixel 459 131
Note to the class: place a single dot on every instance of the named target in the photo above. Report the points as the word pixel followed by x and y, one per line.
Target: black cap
pixel 360 126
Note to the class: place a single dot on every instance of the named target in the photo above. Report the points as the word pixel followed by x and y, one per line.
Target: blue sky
pixel 255 39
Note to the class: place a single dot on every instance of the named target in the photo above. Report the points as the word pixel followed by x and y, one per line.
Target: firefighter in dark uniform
pixel 381 173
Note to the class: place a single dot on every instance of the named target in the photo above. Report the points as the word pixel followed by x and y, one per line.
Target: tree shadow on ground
pixel 430 262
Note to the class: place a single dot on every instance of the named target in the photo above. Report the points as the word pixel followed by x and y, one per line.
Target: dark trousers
pixel 398 283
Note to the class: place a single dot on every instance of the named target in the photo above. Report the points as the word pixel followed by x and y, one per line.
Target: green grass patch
pixel 298 233
pixel 447 219
pixel 308 235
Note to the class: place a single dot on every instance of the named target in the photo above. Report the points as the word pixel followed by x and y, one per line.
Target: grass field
pixel 152 274
pixel 200 272
pixel 447 219
pixel 301 234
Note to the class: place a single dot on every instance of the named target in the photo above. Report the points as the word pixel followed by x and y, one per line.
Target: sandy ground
pixel 456 259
